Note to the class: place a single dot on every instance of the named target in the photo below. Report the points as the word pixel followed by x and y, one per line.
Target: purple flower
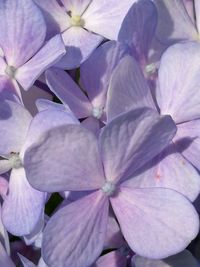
pixel 23 206
pixel 75 235
pixel 83 24
pixel 177 94
pixel 24 55
pixel 95 74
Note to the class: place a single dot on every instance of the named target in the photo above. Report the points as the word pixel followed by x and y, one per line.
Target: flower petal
pixel 46 57
pixel 26 262
pixel 80 229
pixel 8 90
pixel 77 7
pixel 96 71
pixel 187 141
pixel 76 171
pixel 111 259
pixel 56 18
pixel 20 38
pixel 5 260
pixel 169 170
pixel 105 18
pixel 62 85
pixel 79 45
pixel 139 26
pixel 128 89
pixel 174 23
pixel 178 91
pixel 44 121
pixel 156 222
pixel 4 239
pixel 23 206
pixel 131 140
pixel 14 123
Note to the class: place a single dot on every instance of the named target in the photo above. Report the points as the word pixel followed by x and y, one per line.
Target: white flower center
pixel 15 161
pixel 11 71
pixel 76 21
pixel 108 188
pixel 97 112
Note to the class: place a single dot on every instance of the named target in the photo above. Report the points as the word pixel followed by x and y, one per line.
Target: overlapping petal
pixel 178 91
pixel 23 206
pixel 46 57
pixel 105 18
pixel 128 89
pixel 62 85
pixel 96 71
pixel 75 235
pixel 57 19
pixel 166 219
pixel 77 7
pixel 169 170
pixel 112 259
pixel 139 26
pixel 44 121
pixel 79 45
pixel 20 38
pixel 14 123
pixel 132 139
pixel 5 260
pixel 75 155
pixel 187 141
pixel 174 23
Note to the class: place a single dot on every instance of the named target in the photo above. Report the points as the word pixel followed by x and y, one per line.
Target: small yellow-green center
pixel 76 21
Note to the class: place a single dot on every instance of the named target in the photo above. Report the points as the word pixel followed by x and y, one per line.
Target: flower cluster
pixel 99 133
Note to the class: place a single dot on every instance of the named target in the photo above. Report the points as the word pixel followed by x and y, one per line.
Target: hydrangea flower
pixel 95 74
pixel 83 24
pixel 75 235
pixel 24 55
pixel 23 206
pixel 177 93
